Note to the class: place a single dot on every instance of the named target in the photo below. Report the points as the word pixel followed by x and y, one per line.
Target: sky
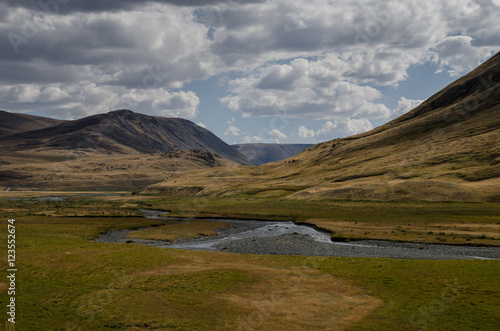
pixel 302 71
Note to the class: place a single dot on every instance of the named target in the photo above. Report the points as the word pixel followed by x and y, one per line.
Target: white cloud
pixel 30 93
pixel 78 101
pixel 455 54
pixel 404 106
pixel 302 59
pixel 327 131
pixel 343 128
pixel 101 57
pixel 305 133
pixel 277 134
pixel 355 126
pixel 334 75
pixel 232 131
pixel 180 104
pixel 202 125
pixel 304 89
pixel 248 139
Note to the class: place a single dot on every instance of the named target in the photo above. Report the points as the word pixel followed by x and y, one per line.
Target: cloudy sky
pixel 300 71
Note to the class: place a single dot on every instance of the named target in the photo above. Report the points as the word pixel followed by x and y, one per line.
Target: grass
pixel 80 284
pixel 482 234
pixel 419 294
pixel 63 170
pixel 85 285
pixel 460 223
pixel 183 230
pixel 422 222
pixel 92 286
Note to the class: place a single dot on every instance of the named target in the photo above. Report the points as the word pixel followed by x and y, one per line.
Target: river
pixel 287 238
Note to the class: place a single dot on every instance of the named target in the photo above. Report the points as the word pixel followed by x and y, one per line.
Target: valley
pixel 176 288
pixel 424 187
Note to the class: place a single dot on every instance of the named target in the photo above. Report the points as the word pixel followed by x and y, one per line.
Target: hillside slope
pixel 121 132
pixel 265 153
pixel 120 150
pixel 38 171
pixel 11 123
pixel 446 149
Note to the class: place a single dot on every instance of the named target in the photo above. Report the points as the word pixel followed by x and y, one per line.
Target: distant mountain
pixel 14 123
pixel 121 132
pixel 265 153
pixel 446 149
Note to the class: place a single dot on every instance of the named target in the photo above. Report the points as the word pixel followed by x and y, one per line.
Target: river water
pixel 287 238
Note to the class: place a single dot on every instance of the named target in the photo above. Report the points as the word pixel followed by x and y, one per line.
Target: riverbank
pixel 288 238
pixel 95 286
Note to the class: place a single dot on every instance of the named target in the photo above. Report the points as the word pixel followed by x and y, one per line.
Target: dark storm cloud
pixel 70 6
pixel 12 72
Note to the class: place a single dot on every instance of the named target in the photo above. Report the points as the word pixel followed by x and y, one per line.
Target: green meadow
pixel 65 281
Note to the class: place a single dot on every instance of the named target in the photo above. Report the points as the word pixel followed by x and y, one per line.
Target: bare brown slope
pixel 14 123
pixel 445 149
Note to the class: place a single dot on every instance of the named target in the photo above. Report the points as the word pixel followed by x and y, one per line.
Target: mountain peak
pixel 120 132
pixel 122 112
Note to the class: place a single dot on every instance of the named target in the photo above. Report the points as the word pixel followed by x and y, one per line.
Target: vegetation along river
pixel 287 238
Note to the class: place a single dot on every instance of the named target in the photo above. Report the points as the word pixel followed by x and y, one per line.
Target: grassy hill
pixel 11 123
pixel 121 132
pixel 120 150
pixel 444 150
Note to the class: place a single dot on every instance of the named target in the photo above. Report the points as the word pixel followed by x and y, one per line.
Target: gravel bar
pixel 298 244
pixel 287 238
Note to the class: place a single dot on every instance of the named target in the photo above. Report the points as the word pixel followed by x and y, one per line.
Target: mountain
pixel 14 123
pixel 265 153
pixel 446 149
pixel 119 150
pixel 121 132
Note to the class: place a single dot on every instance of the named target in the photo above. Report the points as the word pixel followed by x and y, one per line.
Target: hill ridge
pixel 446 149
pixel 120 132
pixel 12 123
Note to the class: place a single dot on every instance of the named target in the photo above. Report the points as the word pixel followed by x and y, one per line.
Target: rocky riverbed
pixel 287 238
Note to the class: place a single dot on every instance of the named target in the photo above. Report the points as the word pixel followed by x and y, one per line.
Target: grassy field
pixel 180 230
pixel 66 282
pixel 423 222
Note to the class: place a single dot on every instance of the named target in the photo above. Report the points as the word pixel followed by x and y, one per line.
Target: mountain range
pixel 446 149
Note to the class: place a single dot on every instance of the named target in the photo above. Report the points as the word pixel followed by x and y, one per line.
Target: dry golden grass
pixel 378 165
pixel 183 230
pixel 292 298
pixel 443 150
pixel 445 232
pixel 3 287
pixel 94 172
pixel 96 286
